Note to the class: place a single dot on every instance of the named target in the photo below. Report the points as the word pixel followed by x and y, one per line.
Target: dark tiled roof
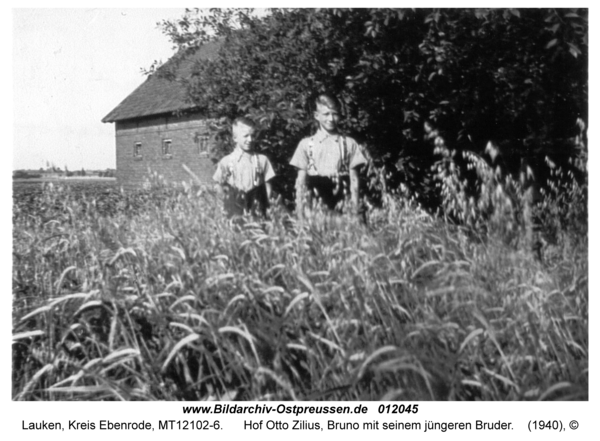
pixel 156 95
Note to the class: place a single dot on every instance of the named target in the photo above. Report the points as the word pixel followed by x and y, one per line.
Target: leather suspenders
pixel 256 171
pixel 343 166
pixel 343 169
pixel 311 156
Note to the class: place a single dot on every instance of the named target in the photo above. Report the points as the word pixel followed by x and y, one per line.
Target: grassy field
pixel 157 296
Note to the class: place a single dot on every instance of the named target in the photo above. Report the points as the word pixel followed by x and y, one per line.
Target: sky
pixel 71 67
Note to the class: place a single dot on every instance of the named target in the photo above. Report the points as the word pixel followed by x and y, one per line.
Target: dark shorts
pixel 329 192
pixel 237 202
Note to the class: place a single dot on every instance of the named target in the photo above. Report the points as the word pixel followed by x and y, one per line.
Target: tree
pixel 515 76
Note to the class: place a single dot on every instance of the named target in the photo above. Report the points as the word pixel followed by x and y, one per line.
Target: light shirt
pixel 327 155
pixel 244 170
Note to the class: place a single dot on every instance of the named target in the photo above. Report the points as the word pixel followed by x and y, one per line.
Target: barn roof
pixel 157 95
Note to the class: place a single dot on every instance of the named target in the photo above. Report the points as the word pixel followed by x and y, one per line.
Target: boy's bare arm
pixel 354 189
pixel 300 192
pixel 220 189
pixel 269 189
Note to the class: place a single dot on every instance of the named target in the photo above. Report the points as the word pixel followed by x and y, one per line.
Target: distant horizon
pixel 62 169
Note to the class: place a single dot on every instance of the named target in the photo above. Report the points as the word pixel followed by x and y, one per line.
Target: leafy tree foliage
pixel 517 77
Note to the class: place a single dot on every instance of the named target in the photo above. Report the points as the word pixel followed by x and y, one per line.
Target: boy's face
pixel 243 136
pixel 327 117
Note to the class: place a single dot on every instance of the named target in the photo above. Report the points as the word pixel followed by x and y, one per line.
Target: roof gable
pixel 158 95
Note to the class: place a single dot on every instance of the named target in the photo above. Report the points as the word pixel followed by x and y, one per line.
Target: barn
pixel 158 130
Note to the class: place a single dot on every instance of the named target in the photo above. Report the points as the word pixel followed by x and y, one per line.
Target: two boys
pixel 327 164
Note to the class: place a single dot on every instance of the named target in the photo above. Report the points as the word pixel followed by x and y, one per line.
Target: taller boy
pixel 327 162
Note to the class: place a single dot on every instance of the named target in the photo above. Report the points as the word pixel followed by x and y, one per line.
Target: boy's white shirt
pixel 326 154
pixel 244 170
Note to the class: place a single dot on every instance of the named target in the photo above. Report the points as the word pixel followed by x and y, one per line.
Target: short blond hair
pixel 327 100
pixel 245 121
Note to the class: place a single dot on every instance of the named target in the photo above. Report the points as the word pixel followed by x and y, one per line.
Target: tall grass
pixel 166 299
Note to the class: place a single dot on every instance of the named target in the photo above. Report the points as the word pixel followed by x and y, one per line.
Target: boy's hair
pixel 327 100
pixel 245 121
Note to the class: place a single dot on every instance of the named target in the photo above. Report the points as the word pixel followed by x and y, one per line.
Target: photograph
pixel 262 208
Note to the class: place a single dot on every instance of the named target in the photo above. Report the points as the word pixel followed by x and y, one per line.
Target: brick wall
pixel 187 135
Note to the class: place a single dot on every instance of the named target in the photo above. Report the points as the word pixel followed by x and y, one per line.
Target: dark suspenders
pixel 343 166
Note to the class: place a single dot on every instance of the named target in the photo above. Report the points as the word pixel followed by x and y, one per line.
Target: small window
pixel 167 148
pixel 137 150
pixel 202 144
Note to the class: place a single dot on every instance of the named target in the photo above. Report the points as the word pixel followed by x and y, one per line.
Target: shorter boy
pixel 243 176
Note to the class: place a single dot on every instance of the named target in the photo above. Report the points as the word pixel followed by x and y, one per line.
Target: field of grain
pixel 155 295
